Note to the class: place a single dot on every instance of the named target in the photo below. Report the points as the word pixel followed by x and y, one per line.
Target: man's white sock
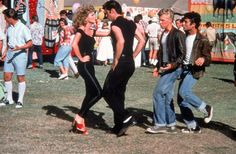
pixel 8 85
pixel 21 91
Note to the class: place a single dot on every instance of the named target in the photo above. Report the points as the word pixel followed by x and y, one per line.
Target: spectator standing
pixel 2 37
pixel 3 25
pixel 63 14
pixel 37 33
pixel 20 7
pixel 19 39
pixel 179 25
pixel 210 33
pixel 144 25
pixel 153 30
pixel 105 49
pixel 138 59
pixel 197 57
pixel 62 57
pixel 2 20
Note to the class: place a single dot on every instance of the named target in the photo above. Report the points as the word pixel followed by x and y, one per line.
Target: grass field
pixel 43 124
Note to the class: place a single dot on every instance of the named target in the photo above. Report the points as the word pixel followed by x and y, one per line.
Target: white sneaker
pixel 30 67
pixel 152 61
pixel 155 62
pixel 196 130
pixel 2 104
pixel 62 76
pixel 6 102
pixel 209 115
pixel 19 105
pixel 157 130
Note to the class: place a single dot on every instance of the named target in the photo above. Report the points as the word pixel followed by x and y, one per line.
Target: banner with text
pixel 222 15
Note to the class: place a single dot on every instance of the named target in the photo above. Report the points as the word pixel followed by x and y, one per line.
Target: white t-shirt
pixel 189 47
pixel 18 35
pixel 153 29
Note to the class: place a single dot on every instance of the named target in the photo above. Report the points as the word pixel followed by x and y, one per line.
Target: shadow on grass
pixel 93 120
pixel 225 129
pixel 49 58
pixel 57 112
pixel 141 116
pixel 53 73
pixel 224 80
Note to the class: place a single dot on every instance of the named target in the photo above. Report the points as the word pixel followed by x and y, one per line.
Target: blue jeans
pixel 143 55
pixel 38 50
pixel 62 56
pixel 164 114
pixel 187 99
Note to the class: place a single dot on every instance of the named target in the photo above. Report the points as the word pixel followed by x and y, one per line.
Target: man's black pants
pixel 115 87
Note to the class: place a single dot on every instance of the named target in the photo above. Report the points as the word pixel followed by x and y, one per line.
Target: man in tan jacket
pixel 197 57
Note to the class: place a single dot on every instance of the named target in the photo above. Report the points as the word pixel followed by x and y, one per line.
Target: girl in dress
pixel 105 49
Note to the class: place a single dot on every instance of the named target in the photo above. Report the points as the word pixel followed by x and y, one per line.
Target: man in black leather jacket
pixel 196 59
pixel 170 58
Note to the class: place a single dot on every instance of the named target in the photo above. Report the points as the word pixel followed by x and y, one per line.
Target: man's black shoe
pixel 114 130
pixel 128 122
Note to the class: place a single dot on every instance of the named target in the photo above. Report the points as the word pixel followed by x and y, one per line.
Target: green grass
pixel 43 124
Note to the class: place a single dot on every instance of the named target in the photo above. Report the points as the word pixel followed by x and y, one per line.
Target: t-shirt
pixel 86 43
pixel 153 30
pixel 189 47
pixel 164 47
pixel 18 35
pixel 127 28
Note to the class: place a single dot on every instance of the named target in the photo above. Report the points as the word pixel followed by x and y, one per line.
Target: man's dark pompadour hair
pixel 112 4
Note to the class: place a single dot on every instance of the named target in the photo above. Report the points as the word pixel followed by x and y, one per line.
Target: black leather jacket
pixel 176 48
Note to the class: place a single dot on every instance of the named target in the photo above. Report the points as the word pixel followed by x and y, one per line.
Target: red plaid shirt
pixel 65 36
